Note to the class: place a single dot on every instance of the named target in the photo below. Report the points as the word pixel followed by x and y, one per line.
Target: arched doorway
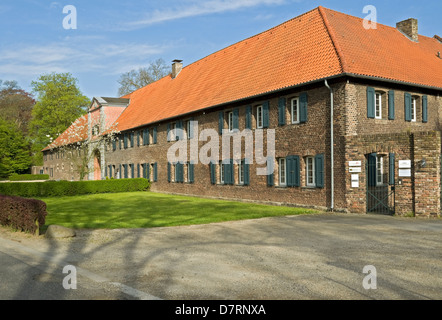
pixel 97 165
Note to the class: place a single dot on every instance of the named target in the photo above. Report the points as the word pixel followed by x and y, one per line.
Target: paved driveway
pixel 296 257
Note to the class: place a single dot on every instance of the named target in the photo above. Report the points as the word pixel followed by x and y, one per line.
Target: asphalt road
pixel 308 257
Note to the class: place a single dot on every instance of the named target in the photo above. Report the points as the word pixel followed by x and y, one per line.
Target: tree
pixel 14 150
pixel 59 103
pixel 16 105
pixel 136 79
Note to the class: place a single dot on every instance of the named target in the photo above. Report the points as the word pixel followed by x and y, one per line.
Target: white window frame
pixel 379 170
pixel 294 120
pixel 282 171
pixel 230 121
pixel 378 105
pixel 413 109
pixel 259 117
pixel 188 126
pixel 310 172
pixel 221 172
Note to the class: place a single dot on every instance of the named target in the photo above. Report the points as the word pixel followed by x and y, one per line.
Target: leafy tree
pixel 136 79
pixel 14 150
pixel 59 103
pixel 16 105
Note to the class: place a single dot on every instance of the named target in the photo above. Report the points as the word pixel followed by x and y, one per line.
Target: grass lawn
pixel 147 210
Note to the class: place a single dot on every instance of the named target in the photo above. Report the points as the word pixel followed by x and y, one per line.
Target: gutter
pixel 332 169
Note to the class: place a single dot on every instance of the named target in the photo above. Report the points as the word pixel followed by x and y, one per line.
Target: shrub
pixel 72 188
pixel 28 177
pixel 22 214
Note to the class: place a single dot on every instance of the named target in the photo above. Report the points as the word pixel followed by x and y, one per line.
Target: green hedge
pixel 28 177
pixel 72 188
pixel 22 214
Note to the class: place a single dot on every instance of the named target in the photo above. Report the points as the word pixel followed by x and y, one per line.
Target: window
pixel 189 129
pixel 413 109
pixel 259 117
pixel 379 170
pixel 295 110
pixel 241 172
pixel 378 105
pixel 171 134
pixel 230 121
pixel 282 172
pixel 310 172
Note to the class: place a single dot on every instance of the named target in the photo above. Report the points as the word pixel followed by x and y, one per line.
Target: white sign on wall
pixel 404 164
pixel 355 163
pixel 404 172
pixel 355 169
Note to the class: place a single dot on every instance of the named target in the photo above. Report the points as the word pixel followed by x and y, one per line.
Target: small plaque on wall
pixel 404 164
pixel 404 172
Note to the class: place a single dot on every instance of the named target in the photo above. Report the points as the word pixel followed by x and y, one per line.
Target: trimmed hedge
pixel 22 214
pixel 72 188
pixel 28 177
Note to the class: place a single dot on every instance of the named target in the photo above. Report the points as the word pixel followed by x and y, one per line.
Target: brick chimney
pixel 438 38
pixel 177 66
pixel 409 28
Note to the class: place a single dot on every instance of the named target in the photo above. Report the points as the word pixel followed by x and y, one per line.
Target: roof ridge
pixel 333 37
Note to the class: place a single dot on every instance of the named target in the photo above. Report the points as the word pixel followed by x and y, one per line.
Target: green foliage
pixel 28 177
pixel 14 150
pixel 59 103
pixel 22 214
pixel 72 188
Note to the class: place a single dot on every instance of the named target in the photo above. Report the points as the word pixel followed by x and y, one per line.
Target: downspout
pixel 332 173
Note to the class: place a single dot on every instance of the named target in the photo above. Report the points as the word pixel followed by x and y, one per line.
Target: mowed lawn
pixel 147 210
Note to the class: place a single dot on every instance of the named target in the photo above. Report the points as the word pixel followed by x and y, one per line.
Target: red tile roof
pixel 77 132
pixel 315 45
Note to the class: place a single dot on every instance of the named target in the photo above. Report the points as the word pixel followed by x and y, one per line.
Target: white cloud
pixel 201 8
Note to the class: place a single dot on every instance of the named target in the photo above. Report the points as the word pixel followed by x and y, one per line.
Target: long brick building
pixel 355 113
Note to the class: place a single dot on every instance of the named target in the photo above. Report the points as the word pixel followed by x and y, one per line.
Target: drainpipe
pixel 332 173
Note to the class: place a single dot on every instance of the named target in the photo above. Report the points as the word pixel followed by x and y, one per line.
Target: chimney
pixel 177 66
pixel 409 28
pixel 438 38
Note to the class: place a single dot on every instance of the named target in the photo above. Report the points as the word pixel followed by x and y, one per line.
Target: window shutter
pixel 138 170
pixel 319 170
pixel 370 103
pixel 232 172
pixel 110 171
pixel 154 135
pixel 424 109
pixel 181 172
pixel 281 111
pixel 125 141
pixel 407 98
pixel 105 172
pixel 119 142
pixel 293 171
pixel 132 139
pixel 179 130
pixel 246 172
pixel 168 172
pixel 126 172
pixel 120 172
pixel 114 144
pixel 146 137
pixel 168 132
pixel 212 173
pixel 132 170
pixel 235 119
pixel 249 117
pixel 303 103
pixel 191 172
pixel 221 122
pixel 391 105
pixel 391 171
pixel 138 138
pixel 143 168
pixel 270 173
pixel 372 170
pixel 265 114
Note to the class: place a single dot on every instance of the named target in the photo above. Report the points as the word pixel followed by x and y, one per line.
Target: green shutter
pixel 372 169
pixel 168 132
pixel 407 98
pixel 370 103
pixel 126 172
pixel 146 137
pixel 391 171
pixel 120 172
pixel 270 173
pixel 191 169
pixel 424 109
pixel 249 117
pixel 155 172
pixel 138 138
pixel 179 130
pixel 105 172
pixel 132 139
pixel 303 103
pixel 221 122
pixel 114 144
pixel 125 140
pixel 266 114
pixel 168 172
pixel 319 171
pixel 391 115
pixel 235 119
pixel 293 171
pixel 281 111
pixel 132 170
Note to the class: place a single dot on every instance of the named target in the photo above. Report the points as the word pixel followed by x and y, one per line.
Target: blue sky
pixel 113 37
